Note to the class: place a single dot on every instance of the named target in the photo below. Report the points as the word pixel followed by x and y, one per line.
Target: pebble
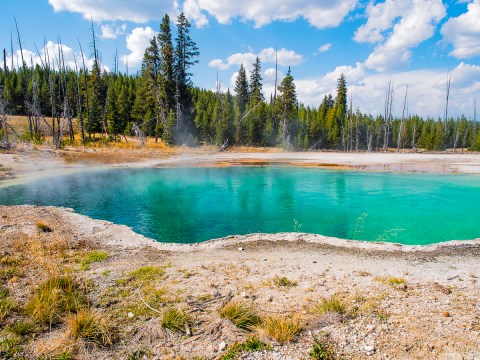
pixel 130 315
pixel 370 349
pixel 222 346
pixel 241 249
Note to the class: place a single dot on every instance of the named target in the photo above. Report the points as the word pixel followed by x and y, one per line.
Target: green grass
pixel 147 273
pixel 92 257
pixel 389 280
pixel 239 313
pixel 10 346
pixel 22 327
pixel 322 350
pixel 54 298
pixel 331 304
pixel 252 343
pixel 176 320
pixel 283 282
pixel 7 305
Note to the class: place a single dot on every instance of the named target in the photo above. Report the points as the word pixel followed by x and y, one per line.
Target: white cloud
pixel 397 26
pixel 127 10
pixel 464 32
pixel 325 47
pixel 50 53
pixel 137 41
pixel 426 93
pixel 319 13
pixel 285 58
pixel 111 31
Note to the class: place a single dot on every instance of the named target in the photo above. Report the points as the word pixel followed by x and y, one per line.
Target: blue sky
pixel 412 42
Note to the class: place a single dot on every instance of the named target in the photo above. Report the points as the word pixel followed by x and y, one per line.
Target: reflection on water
pixel 197 204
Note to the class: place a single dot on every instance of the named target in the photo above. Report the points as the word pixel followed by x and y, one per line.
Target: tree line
pixel 161 101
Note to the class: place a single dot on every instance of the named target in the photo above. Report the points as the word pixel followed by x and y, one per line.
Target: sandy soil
pixel 431 311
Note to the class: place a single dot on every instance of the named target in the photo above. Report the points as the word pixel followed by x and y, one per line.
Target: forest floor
pixel 75 287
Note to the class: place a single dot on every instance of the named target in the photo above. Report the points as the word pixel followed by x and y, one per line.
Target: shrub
pixel 90 326
pixel 281 328
pixel 240 314
pixel 175 320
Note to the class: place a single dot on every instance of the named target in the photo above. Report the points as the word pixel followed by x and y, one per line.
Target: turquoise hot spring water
pixel 187 205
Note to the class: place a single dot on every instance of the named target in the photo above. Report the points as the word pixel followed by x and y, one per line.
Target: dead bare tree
pixel 79 102
pixel 178 109
pixel 85 79
pixel 3 118
pixel 388 115
pixel 357 131
pixel 449 77
pixel 24 67
pixel 400 129
pixel 475 133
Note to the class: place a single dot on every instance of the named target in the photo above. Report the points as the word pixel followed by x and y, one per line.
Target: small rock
pixel 244 294
pixel 370 349
pixel 130 315
pixel 264 259
pixel 314 262
pixel 222 346
pixel 240 249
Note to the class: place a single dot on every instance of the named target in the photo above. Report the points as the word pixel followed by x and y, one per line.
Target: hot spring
pixel 187 205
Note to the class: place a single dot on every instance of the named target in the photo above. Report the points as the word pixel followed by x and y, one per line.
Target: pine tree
pixel 113 116
pixel 167 63
pixel 186 53
pixel 287 102
pixel 224 119
pixel 340 107
pixel 241 89
pixel 256 86
pixel 94 123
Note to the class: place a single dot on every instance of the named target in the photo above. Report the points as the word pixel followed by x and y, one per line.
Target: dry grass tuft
pixel 61 347
pixel 389 280
pixel 91 327
pixel 241 314
pixel 54 298
pixel 332 304
pixel 281 328
pixel 41 226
